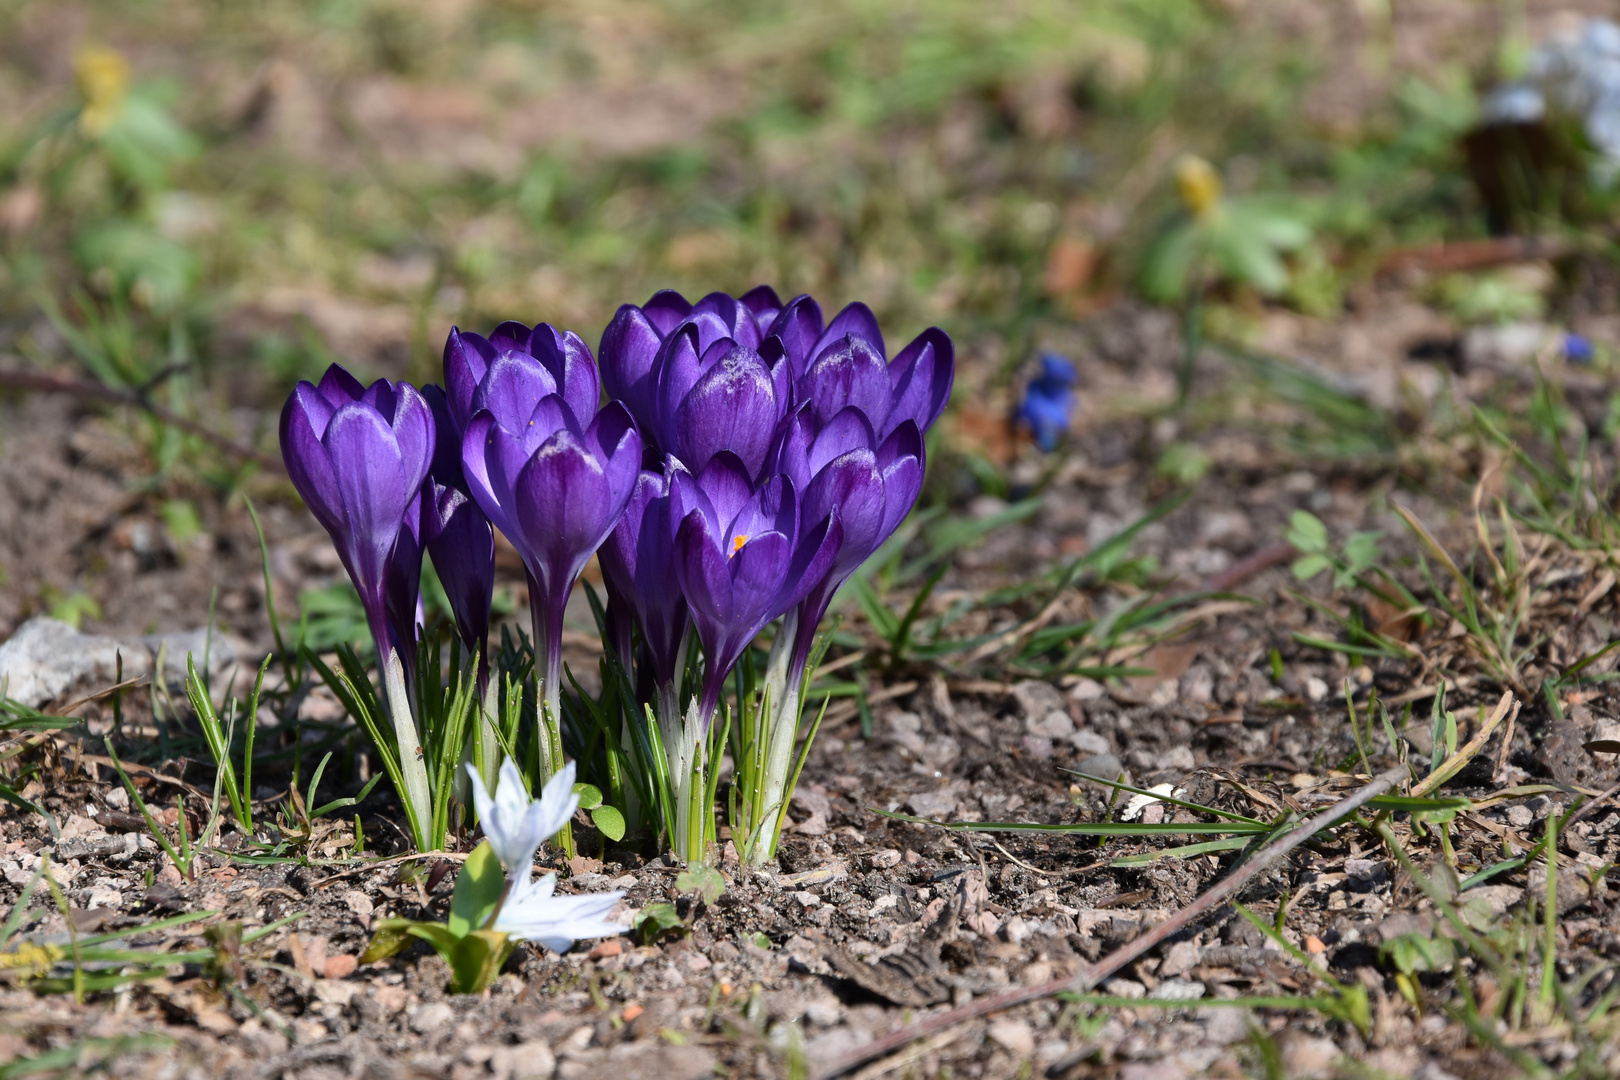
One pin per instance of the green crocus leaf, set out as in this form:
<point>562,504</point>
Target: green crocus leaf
<point>478,891</point>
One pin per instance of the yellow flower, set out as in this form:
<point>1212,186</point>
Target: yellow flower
<point>103,77</point>
<point>31,961</point>
<point>1199,186</point>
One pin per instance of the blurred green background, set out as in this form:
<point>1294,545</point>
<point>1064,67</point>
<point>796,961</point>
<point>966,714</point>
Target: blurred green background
<point>202,202</point>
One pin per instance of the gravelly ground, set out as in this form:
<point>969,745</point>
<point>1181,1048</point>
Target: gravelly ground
<point>952,743</point>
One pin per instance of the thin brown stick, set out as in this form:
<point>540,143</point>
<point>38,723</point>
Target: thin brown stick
<point>1096,973</point>
<point>1245,568</point>
<point>39,382</point>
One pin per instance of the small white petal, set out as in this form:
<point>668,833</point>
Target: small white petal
<point>533,913</point>
<point>558,801</point>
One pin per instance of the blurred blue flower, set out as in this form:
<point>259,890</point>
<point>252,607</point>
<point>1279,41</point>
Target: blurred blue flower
<point>1577,350</point>
<point>1048,401</point>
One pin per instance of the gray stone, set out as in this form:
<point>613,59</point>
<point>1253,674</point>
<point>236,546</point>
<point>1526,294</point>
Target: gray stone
<point>1179,990</point>
<point>1014,1036</point>
<point>932,804</point>
<point>1088,741</point>
<point>1503,347</point>
<point>1102,766</point>
<point>1038,747</point>
<point>658,1060</point>
<point>1370,870</point>
<point>1223,1025</point>
<point>1177,758</point>
<point>431,1017</point>
<point>1496,898</point>
<point>46,660</point>
<point>1054,725</point>
<point>1308,1057</point>
<point>525,1061</point>
<point>221,652</point>
<point>1036,700</point>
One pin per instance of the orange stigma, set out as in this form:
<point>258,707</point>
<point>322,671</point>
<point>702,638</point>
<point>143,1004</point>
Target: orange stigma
<point>737,542</point>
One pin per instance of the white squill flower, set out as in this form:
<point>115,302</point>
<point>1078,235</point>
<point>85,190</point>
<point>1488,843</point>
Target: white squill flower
<point>533,913</point>
<point>515,825</point>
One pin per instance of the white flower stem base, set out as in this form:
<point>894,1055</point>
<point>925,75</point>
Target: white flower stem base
<point>417,795</point>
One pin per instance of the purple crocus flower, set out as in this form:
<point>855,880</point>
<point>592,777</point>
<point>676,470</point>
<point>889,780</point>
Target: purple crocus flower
<point>845,364</point>
<point>458,535</point>
<point>639,566</point>
<point>551,471</point>
<point>636,344</point>
<point>742,560</point>
<point>869,485</point>
<point>723,398</point>
<point>358,456</point>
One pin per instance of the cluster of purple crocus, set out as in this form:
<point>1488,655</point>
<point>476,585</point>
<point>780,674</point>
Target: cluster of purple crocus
<point>749,457</point>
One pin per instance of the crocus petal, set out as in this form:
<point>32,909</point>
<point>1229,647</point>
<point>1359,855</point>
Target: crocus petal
<point>724,480</point>
<point>462,545</point>
<point>732,406</point>
<point>563,508</point>
<point>772,507</point>
<point>737,320</point>
<point>338,387</point>
<point>308,464</point>
<point>855,319</point>
<point>921,377</point>
<point>629,346</point>
<point>466,361</point>
<point>763,303</point>
<point>665,310</point>
<point>850,429</point>
<point>513,386</point>
<point>848,372</point>
<point>799,328</point>
<point>371,482</point>
<point>853,485</point>
<point>569,359</point>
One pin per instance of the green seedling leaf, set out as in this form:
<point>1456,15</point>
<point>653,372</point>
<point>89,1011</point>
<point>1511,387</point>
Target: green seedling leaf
<point>706,881</point>
<point>609,822</point>
<point>477,959</point>
<point>1310,566</point>
<point>390,936</point>
<point>590,797</point>
<point>760,940</point>
<point>1307,533</point>
<point>655,921</point>
<point>1415,953</point>
<point>478,891</point>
